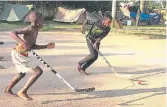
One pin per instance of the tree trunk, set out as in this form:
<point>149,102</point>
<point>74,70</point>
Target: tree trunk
<point>138,17</point>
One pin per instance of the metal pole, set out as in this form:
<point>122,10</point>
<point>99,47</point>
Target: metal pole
<point>113,12</point>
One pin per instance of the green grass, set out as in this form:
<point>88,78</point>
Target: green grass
<point>60,27</point>
<point>154,32</point>
<point>8,26</point>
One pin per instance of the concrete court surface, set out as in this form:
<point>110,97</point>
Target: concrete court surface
<point>141,57</point>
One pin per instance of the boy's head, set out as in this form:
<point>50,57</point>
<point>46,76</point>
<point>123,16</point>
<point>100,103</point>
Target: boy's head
<point>36,18</point>
<point>107,20</point>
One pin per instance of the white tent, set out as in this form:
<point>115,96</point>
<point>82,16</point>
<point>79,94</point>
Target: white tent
<point>68,15</point>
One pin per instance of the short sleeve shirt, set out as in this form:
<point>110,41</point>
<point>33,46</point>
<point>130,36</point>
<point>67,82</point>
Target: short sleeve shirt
<point>98,30</point>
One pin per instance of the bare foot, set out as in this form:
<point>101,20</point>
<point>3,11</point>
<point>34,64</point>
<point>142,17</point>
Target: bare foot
<point>79,68</point>
<point>24,96</point>
<point>9,92</point>
<point>83,72</point>
<point>1,57</point>
<point>1,43</point>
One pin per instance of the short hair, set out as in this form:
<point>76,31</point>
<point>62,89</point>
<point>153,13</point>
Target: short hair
<point>108,15</point>
<point>39,15</point>
<point>33,16</point>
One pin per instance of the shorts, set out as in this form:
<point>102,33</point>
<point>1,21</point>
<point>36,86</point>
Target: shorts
<point>22,63</point>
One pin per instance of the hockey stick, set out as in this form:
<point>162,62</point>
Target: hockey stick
<point>54,71</point>
<point>110,66</point>
<point>120,75</point>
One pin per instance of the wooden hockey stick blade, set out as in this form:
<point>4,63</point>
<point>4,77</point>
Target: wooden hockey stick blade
<point>85,90</point>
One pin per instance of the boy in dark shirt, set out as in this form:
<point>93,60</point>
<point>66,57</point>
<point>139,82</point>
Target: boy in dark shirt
<point>96,33</point>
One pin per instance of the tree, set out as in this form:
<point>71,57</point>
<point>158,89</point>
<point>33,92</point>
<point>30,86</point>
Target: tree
<point>151,5</point>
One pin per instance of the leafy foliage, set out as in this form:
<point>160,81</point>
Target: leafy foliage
<point>155,5</point>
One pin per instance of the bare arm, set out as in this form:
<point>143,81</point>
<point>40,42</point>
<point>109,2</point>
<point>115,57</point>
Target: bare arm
<point>98,40</point>
<point>14,34</point>
<point>49,46</point>
<point>103,34</point>
<point>35,46</point>
<point>83,26</point>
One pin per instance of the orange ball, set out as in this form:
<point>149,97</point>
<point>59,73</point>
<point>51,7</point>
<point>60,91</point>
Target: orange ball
<point>139,82</point>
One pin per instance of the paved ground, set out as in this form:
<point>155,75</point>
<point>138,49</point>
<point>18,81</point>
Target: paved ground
<point>141,57</point>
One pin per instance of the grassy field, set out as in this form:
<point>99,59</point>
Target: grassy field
<point>156,32</point>
<point>153,32</point>
<point>7,26</point>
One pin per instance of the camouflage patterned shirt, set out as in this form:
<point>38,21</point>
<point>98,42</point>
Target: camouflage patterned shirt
<point>98,31</point>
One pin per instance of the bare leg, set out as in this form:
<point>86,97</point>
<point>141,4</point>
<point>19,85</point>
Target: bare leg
<point>23,92</point>
<point>14,81</point>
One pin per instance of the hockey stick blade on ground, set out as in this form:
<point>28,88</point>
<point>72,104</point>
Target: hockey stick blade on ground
<point>54,71</point>
<point>85,90</point>
<point>119,75</point>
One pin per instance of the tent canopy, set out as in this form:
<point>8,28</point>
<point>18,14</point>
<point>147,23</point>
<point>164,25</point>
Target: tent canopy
<point>14,12</point>
<point>94,17</point>
<point>69,15</point>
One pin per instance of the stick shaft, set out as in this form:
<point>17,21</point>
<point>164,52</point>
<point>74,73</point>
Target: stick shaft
<point>110,66</point>
<point>103,57</point>
<point>54,71</point>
